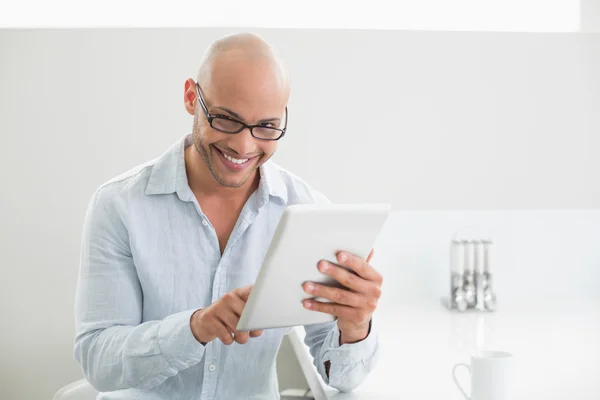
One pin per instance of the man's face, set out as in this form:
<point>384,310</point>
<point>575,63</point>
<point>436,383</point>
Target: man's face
<point>247,93</point>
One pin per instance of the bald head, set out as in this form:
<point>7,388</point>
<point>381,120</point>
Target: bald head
<point>242,49</point>
<point>241,80</point>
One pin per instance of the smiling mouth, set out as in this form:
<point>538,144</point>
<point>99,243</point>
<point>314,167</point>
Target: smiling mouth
<point>239,162</point>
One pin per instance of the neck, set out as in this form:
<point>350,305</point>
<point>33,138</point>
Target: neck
<point>202,182</point>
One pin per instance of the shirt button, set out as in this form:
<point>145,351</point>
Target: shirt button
<point>212,367</point>
<point>204,222</point>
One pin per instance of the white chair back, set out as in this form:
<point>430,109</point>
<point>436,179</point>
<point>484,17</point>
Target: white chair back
<point>78,390</point>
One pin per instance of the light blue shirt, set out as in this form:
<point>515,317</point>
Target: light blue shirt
<point>150,258</point>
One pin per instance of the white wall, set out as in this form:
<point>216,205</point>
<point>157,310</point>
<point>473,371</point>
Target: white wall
<point>590,15</point>
<point>541,257</point>
<point>449,120</point>
<point>465,15</point>
<point>463,120</point>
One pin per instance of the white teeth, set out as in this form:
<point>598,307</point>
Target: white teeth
<point>235,160</point>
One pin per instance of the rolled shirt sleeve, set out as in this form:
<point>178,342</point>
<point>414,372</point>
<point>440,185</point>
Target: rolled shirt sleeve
<point>350,363</point>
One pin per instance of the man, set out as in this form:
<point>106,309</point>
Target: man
<point>171,249</point>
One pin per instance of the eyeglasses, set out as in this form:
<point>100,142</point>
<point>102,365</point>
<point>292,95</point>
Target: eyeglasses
<point>226,124</point>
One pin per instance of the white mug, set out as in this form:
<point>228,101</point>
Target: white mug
<point>491,376</point>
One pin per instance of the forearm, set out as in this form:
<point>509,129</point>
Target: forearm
<point>142,356</point>
<point>356,336</point>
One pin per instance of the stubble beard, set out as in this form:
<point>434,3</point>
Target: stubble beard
<point>203,151</point>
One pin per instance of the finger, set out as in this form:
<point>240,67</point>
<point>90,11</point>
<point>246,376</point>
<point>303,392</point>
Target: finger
<point>230,319</point>
<point>360,266</point>
<point>346,278</point>
<point>223,332</point>
<point>338,310</point>
<point>370,255</point>
<point>234,302</point>
<point>241,337</point>
<point>257,333</point>
<point>244,292</point>
<point>339,296</point>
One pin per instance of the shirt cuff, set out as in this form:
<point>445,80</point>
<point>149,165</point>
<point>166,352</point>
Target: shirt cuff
<point>349,355</point>
<point>177,342</point>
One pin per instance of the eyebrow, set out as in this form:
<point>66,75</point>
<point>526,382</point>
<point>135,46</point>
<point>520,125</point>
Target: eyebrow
<point>238,116</point>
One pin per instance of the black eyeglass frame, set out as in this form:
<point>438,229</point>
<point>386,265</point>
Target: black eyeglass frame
<point>211,117</point>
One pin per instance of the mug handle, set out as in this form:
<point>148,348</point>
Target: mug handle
<point>456,381</point>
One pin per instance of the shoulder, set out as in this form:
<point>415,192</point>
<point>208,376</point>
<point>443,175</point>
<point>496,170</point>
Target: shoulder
<point>114,192</point>
<point>298,190</point>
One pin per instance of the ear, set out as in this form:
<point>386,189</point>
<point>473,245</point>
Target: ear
<point>190,99</point>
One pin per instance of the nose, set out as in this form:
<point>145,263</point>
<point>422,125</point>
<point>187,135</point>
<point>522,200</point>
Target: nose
<point>243,143</point>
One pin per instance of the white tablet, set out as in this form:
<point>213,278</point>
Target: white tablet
<point>305,235</point>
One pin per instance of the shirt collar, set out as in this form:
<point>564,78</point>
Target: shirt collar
<point>272,181</point>
<point>168,173</point>
<point>169,176</point>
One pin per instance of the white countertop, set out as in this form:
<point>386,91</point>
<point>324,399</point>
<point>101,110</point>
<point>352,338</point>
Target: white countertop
<point>556,349</point>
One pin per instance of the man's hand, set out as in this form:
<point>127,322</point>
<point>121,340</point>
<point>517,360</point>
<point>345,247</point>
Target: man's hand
<point>220,319</point>
<point>353,306</point>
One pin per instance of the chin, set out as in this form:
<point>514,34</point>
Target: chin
<point>234,180</point>
<point>233,183</point>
